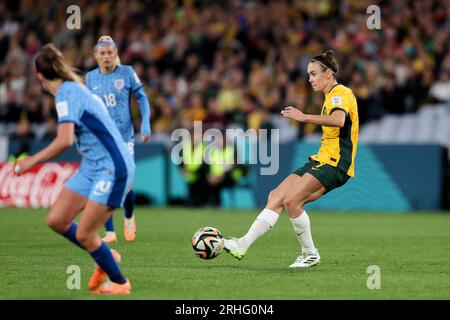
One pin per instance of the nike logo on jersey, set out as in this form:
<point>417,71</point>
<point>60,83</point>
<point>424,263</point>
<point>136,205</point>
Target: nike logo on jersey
<point>317,167</point>
<point>95,88</point>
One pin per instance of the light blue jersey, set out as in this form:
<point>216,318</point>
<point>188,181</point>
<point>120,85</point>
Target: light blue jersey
<point>115,89</point>
<point>107,168</point>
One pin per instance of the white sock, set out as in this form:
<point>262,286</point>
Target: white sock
<point>302,229</point>
<point>263,222</point>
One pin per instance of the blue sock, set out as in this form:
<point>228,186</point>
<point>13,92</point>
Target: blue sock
<point>71,234</point>
<point>109,225</point>
<point>129,204</point>
<point>105,260</point>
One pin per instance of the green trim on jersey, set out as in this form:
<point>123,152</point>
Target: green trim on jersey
<point>345,145</point>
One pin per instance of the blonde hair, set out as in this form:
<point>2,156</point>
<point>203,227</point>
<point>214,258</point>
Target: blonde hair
<point>50,62</point>
<point>109,39</point>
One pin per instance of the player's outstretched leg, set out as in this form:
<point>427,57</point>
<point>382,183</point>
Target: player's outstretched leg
<point>263,222</point>
<point>129,221</point>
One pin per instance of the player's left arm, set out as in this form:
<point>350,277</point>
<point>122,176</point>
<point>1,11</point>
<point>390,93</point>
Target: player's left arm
<point>335,119</point>
<point>144,105</point>
<point>63,141</point>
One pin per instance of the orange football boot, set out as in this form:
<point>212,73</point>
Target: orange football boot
<point>99,275</point>
<point>110,237</point>
<point>113,288</point>
<point>129,229</point>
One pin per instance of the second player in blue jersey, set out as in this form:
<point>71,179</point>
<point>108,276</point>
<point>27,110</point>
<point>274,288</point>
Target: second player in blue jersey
<point>105,175</point>
<point>114,83</point>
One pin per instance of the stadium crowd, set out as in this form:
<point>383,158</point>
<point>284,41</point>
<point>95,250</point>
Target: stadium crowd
<point>230,63</point>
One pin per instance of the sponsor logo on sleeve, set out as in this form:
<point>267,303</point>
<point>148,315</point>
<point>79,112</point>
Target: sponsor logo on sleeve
<point>136,78</point>
<point>62,109</point>
<point>336,101</point>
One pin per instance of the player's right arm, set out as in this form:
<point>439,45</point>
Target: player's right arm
<point>61,143</point>
<point>68,109</point>
<point>335,119</point>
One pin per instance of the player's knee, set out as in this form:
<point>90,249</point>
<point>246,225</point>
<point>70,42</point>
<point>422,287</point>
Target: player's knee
<point>84,238</point>
<point>56,224</point>
<point>275,197</point>
<point>292,203</point>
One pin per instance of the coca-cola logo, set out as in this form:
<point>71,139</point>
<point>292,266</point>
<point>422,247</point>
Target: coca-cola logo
<point>36,188</point>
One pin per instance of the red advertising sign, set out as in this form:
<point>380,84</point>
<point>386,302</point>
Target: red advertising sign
<point>36,188</point>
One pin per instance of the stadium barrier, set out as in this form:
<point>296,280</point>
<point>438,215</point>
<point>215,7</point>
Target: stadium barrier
<point>389,177</point>
<point>392,178</point>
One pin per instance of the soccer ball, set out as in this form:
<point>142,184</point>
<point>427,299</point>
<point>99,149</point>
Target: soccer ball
<point>207,243</point>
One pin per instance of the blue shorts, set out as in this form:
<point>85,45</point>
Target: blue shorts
<point>104,188</point>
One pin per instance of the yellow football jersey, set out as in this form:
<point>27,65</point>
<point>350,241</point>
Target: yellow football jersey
<point>338,147</point>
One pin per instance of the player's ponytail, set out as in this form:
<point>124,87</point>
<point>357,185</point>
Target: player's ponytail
<point>51,64</point>
<point>327,60</point>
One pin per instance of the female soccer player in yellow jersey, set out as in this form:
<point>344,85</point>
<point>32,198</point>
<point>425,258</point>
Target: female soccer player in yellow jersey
<point>330,168</point>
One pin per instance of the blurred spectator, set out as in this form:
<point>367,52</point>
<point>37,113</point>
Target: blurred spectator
<point>195,170</point>
<point>440,90</point>
<point>220,169</point>
<point>195,109</point>
<point>214,117</point>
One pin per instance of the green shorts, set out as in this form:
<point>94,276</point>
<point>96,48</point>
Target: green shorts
<point>330,177</point>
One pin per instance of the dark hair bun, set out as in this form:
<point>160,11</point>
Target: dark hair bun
<point>330,54</point>
<point>328,60</point>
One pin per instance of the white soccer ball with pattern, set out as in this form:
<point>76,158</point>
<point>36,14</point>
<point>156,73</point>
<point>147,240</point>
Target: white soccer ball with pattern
<point>207,242</point>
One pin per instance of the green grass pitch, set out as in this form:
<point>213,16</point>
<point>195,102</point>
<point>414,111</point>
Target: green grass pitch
<point>411,250</point>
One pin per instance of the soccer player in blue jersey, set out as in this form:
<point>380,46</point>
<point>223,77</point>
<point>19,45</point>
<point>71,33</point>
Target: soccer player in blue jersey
<point>105,175</point>
<point>114,83</point>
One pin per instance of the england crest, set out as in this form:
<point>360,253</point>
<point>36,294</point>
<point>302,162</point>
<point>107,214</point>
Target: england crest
<point>119,83</point>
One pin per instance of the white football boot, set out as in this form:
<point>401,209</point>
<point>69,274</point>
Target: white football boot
<point>306,260</point>
<point>231,246</point>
